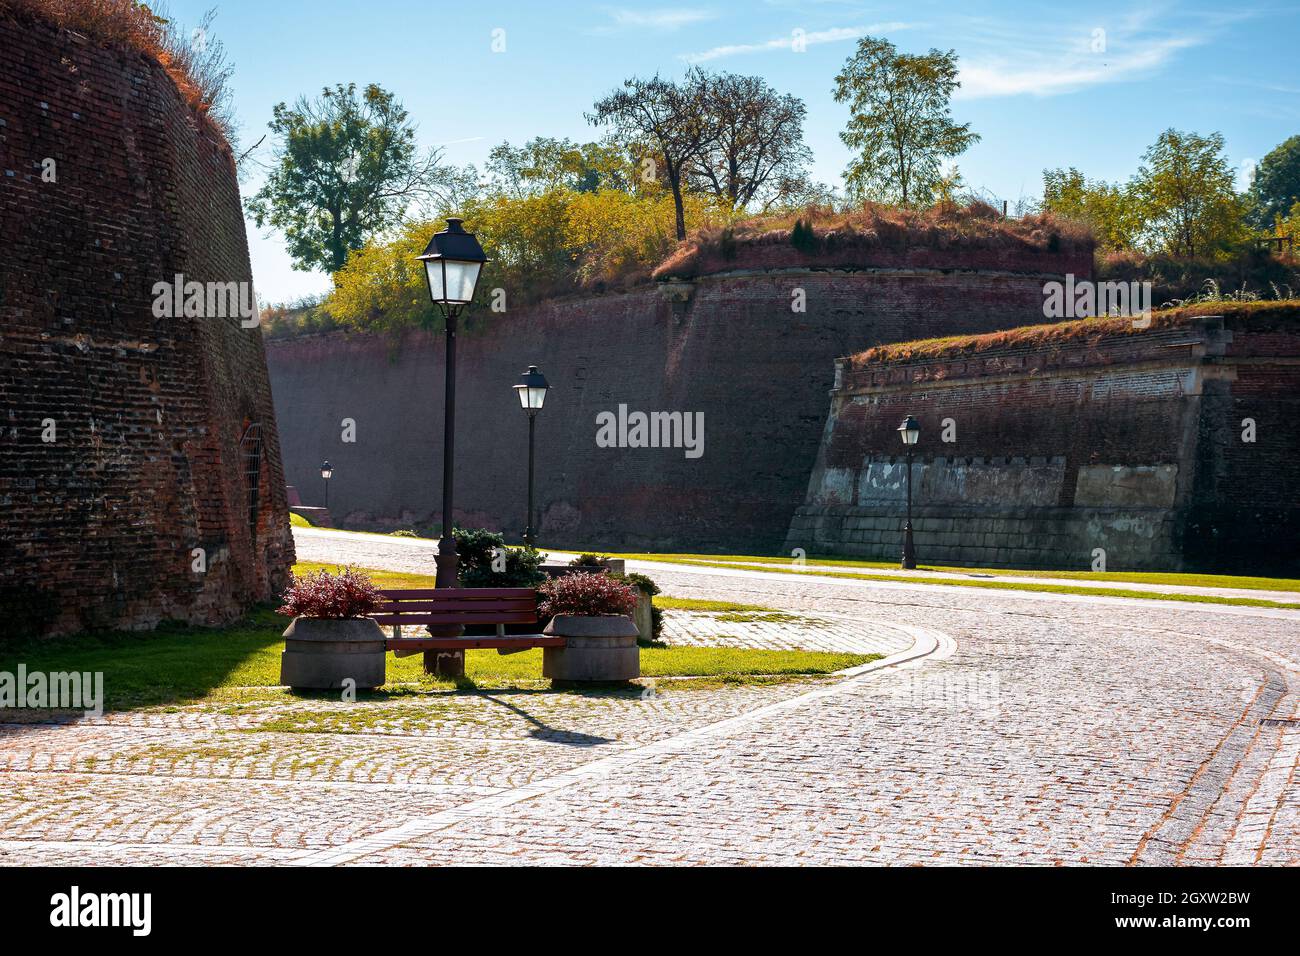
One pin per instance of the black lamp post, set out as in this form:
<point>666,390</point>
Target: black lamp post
<point>452,263</point>
<point>910,432</point>
<point>531,390</point>
<point>327,472</point>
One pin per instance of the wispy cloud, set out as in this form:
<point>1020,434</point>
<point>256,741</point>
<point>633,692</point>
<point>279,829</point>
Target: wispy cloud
<point>1054,62</point>
<point>812,38</point>
<point>664,19</point>
<point>1068,74</point>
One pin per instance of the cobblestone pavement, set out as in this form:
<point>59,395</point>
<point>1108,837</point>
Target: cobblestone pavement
<point>1019,728</point>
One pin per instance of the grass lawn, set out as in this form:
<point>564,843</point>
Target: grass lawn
<point>382,579</point>
<point>177,665</point>
<point>298,521</point>
<point>1117,577</point>
<point>748,563</point>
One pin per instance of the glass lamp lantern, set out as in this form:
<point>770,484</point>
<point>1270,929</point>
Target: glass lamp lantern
<point>910,431</point>
<point>452,263</point>
<point>532,389</point>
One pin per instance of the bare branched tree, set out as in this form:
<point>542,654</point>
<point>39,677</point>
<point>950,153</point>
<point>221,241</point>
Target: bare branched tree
<point>753,154</point>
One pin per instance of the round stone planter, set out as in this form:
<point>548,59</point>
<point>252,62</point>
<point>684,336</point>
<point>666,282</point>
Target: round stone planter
<point>600,649</point>
<point>321,654</point>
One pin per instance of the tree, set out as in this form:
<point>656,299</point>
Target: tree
<point>1184,195</point>
<point>899,121</point>
<point>345,169</point>
<point>547,163</point>
<point>752,151</point>
<point>661,119</point>
<point>1108,209</point>
<point>1276,187</point>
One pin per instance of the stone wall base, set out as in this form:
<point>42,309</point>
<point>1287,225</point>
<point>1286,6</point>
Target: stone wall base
<point>1048,538</point>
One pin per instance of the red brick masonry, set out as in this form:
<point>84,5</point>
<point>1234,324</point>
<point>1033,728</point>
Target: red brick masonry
<point>729,346</point>
<point>98,527</point>
<point>1093,435</point>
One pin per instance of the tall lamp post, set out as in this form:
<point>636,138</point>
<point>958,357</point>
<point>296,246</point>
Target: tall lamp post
<point>910,432</point>
<point>327,472</point>
<point>531,390</point>
<point>452,263</point>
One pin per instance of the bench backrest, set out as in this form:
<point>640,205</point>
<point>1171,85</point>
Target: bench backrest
<point>457,606</point>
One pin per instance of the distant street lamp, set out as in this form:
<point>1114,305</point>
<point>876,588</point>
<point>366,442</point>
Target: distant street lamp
<point>531,390</point>
<point>452,262</point>
<point>910,432</point>
<point>327,472</point>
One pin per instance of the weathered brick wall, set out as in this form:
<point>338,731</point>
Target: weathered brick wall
<point>731,348</point>
<point>99,525</point>
<point>1100,435</point>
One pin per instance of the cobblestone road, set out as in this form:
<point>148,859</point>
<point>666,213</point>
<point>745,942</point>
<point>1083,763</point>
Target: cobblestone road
<point>1021,728</point>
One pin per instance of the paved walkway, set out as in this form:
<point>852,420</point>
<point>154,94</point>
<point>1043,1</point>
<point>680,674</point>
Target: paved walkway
<point>1016,727</point>
<point>314,544</point>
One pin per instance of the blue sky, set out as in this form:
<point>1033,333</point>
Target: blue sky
<point>1034,87</point>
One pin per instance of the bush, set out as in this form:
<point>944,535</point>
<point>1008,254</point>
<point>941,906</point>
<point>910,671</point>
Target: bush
<point>638,581</point>
<point>476,549</point>
<point>649,589</point>
<point>332,596</point>
<point>802,237</point>
<point>589,560</point>
<point>586,595</point>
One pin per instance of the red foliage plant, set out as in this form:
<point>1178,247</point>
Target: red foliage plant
<point>333,596</point>
<point>585,595</point>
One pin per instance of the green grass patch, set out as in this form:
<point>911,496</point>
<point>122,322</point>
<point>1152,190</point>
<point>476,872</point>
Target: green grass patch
<point>180,665</point>
<point>783,563</point>
<point>382,578</point>
<point>1015,586</point>
<point>692,604</point>
<point>298,521</point>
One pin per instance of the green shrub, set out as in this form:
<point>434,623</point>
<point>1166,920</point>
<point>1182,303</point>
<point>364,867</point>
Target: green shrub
<point>803,238</point>
<point>589,560</point>
<point>476,549</point>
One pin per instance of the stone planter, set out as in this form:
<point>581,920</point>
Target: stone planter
<point>321,654</point>
<point>643,616</point>
<point>596,649</point>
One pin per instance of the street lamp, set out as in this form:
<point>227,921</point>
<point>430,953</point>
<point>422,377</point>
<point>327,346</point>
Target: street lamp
<point>452,263</point>
<point>910,432</point>
<point>531,390</point>
<point>327,472</point>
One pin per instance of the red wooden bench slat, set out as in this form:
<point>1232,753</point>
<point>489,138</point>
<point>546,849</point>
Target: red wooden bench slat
<point>395,607</point>
<point>457,617</point>
<point>472,643</point>
<point>457,594</point>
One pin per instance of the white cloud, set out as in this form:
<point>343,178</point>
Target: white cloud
<point>787,42</point>
<point>1035,71</point>
<point>666,19</point>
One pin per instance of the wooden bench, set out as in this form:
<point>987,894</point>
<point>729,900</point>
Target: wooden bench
<point>451,607</point>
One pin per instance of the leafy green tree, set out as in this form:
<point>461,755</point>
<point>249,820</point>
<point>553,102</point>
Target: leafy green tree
<point>345,169</point>
<point>900,122</point>
<point>1108,209</point>
<point>1276,186</point>
<point>1184,194</point>
<point>546,163</point>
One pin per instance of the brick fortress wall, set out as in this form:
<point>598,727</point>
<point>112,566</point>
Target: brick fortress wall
<point>1089,435</point>
<point>146,464</point>
<point>727,345</point>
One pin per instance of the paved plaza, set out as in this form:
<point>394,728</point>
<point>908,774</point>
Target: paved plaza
<point>1000,727</point>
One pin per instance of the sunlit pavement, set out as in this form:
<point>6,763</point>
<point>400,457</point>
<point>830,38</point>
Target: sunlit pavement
<point>1015,727</point>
